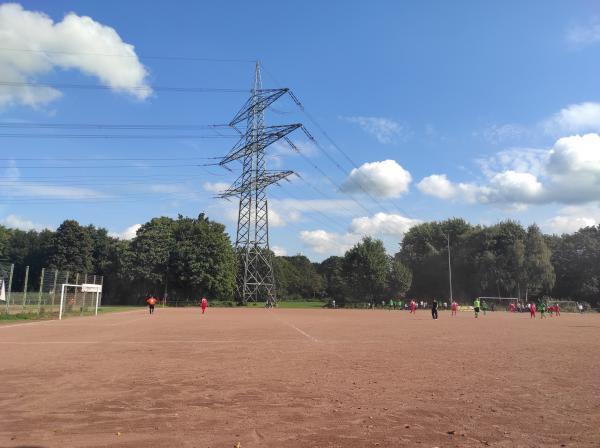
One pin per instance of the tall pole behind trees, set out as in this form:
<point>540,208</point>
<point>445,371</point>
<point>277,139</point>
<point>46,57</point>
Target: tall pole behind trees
<point>449,268</point>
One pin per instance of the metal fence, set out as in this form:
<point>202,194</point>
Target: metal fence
<point>40,293</point>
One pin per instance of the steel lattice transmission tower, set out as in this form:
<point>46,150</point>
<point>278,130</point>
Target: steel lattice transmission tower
<point>255,280</point>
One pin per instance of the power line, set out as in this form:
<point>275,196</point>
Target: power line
<point>139,56</point>
<point>104,159</point>
<point>118,136</point>
<point>341,151</point>
<point>139,88</point>
<point>95,126</point>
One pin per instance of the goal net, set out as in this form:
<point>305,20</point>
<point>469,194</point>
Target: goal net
<point>79,300</point>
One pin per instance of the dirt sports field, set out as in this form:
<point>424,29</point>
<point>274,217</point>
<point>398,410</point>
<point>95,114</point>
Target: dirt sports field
<point>300,378</point>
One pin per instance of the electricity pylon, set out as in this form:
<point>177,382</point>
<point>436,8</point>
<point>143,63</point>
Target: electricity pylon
<point>255,280</point>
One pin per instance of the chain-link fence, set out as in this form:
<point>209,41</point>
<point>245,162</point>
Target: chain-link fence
<point>41,293</point>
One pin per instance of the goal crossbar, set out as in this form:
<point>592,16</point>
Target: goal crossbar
<point>84,288</point>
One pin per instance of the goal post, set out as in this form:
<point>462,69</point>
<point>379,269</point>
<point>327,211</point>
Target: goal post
<point>73,296</point>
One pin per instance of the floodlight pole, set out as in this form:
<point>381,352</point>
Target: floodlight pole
<point>449,267</point>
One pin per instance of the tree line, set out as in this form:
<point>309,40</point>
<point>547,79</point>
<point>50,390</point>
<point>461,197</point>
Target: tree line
<point>190,257</point>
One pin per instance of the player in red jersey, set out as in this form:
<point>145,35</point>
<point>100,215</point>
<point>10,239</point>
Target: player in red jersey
<point>454,307</point>
<point>204,303</point>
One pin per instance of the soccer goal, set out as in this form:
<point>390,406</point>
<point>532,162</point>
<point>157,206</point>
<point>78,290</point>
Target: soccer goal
<point>79,299</point>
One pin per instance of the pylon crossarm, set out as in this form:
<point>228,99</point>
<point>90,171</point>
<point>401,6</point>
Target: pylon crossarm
<point>257,103</point>
<point>238,187</point>
<point>270,136</point>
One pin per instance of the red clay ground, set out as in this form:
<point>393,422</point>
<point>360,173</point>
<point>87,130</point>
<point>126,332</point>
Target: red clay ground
<point>300,378</point>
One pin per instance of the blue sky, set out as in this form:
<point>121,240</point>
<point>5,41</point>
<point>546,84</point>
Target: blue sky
<point>475,109</point>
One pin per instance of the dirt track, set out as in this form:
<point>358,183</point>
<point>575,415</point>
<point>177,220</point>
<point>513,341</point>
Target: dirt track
<point>300,378</point>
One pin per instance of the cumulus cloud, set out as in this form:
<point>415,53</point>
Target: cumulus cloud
<point>16,222</point>
<point>378,225</point>
<point>384,130</point>
<point>524,160</point>
<point>569,224</point>
<point>382,224</point>
<point>323,242</point>
<point>571,218</point>
<point>385,179</point>
<point>514,187</point>
<point>582,117</point>
<point>568,173</point>
<point>128,234</point>
<point>437,185</point>
<point>76,42</point>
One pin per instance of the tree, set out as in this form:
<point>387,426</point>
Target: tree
<point>72,248</point>
<point>202,260</point>
<point>399,278</point>
<point>365,269</point>
<point>539,271</point>
<point>331,269</point>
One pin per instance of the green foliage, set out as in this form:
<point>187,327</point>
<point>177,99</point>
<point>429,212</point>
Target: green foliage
<point>365,269</point>
<point>399,279</point>
<point>72,248</point>
<point>297,278</point>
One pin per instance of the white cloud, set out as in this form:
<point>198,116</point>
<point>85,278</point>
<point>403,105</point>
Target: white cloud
<point>523,160</point>
<point>583,35</point>
<point>384,130</point>
<point>215,187</point>
<point>568,173</point>
<point>128,234</point>
<point>323,242</point>
<point>573,217</point>
<point>382,224</point>
<point>16,222</point>
<point>279,251</point>
<point>514,187</point>
<point>569,224</point>
<point>385,179</point>
<point>61,45</point>
<point>582,117</point>
<point>437,185</point>
<point>574,169</point>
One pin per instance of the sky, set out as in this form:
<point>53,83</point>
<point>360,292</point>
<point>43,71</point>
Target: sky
<point>419,111</point>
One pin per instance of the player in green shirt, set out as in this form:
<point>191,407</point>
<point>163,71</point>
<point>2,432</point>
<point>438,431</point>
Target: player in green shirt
<point>484,307</point>
<point>542,309</point>
<point>476,307</point>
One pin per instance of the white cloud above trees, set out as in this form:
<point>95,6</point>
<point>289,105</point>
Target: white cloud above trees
<point>386,179</point>
<point>568,173</point>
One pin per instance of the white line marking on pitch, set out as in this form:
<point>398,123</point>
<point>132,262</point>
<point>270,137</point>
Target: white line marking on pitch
<point>302,332</point>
